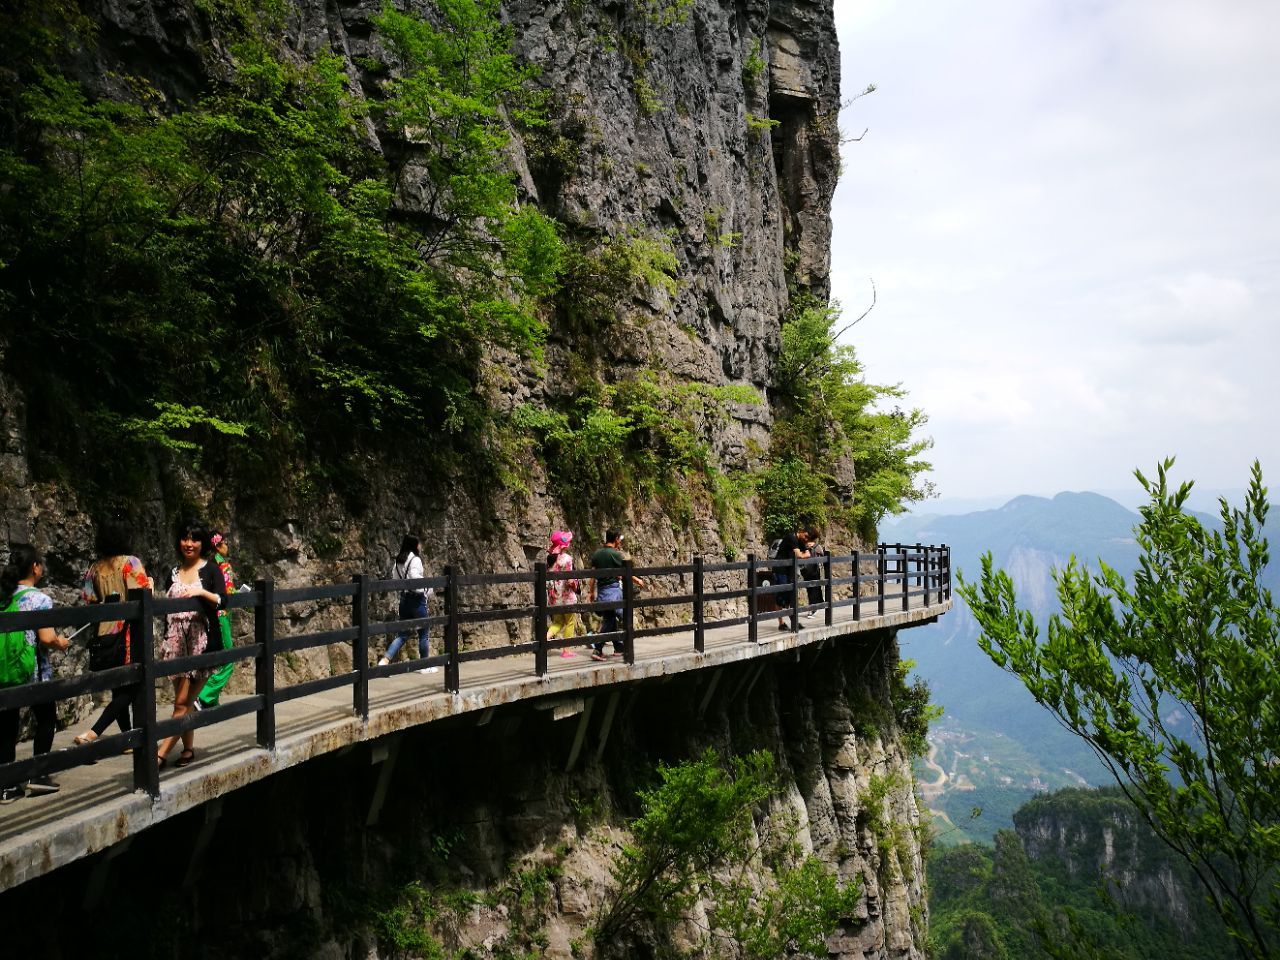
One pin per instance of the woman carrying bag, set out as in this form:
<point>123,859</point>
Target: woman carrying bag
<point>111,577</point>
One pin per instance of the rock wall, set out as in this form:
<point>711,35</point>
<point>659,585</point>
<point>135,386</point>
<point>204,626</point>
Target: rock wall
<point>1100,836</point>
<point>485,838</point>
<point>673,130</point>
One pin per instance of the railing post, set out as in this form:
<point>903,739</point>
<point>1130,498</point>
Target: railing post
<point>628,615</point>
<point>882,570</point>
<point>699,634</point>
<point>360,645</point>
<point>146,770</point>
<point>857,585</point>
<point>753,601</point>
<point>946,561</point>
<point>906,580</point>
<point>927,566</point>
<point>540,618</point>
<point>452,671</point>
<point>827,591</point>
<point>795,593</point>
<point>264,670</point>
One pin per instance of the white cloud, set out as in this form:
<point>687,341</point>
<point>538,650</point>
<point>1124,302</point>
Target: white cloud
<point>1072,216</point>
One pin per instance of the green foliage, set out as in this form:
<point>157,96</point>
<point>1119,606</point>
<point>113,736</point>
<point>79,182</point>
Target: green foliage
<point>912,710</point>
<point>1173,681</point>
<point>794,494</point>
<point>792,918</point>
<point>256,238</point>
<point>641,437</point>
<point>599,276</point>
<point>1066,902</point>
<point>752,67</point>
<point>832,412</point>
<point>405,924</point>
<point>699,814</point>
<point>668,13</point>
<point>696,837</point>
<point>760,124</point>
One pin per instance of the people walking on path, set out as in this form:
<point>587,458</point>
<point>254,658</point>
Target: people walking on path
<point>608,589</point>
<point>562,593</point>
<point>794,544</point>
<point>24,658</point>
<point>188,633</point>
<point>109,578</point>
<point>211,692</point>
<point>414,603</point>
<point>812,571</point>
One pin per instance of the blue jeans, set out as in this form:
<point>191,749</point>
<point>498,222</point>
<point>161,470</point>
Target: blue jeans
<point>610,620</point>
<point>413,606</point>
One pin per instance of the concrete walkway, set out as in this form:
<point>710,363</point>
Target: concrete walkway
<point>97,806</point>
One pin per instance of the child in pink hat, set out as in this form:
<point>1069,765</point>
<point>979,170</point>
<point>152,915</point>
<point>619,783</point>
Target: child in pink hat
<point>561,593</point>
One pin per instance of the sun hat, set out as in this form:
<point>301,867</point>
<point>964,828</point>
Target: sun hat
<point>560,540</point>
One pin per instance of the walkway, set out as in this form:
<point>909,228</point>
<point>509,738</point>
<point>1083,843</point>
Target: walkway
<point>98,806</point>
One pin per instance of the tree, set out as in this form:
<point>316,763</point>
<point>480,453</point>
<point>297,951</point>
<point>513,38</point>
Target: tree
<point>1174,681</point>
<point>831,413</point>
<point>696,838</point>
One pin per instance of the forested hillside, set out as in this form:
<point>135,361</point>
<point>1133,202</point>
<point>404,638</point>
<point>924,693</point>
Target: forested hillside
<point>1080,876</point>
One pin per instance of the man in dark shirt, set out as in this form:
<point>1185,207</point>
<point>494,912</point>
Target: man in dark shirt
<point>794,544</point>
<point>606,588</point>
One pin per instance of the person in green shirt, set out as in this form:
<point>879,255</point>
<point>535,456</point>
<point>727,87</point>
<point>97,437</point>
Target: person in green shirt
<point>605,589</point>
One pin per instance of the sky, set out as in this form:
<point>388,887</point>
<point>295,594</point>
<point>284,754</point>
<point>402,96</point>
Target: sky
<point>1071,215</point>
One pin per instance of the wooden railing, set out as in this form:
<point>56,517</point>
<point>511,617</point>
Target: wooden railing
<point>886,579</point>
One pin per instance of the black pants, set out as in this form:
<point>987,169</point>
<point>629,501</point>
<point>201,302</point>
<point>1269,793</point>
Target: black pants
<point>117,710</point>
<point>813,585</point>
<point>46,721</point>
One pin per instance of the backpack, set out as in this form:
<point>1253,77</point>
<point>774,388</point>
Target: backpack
<point>17,657</point>
<point>774,547</point>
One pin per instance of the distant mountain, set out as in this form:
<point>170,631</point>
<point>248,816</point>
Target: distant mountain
<point>995,746</point>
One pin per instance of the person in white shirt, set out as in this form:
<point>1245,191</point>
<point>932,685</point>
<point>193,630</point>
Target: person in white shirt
<point>413,603</point>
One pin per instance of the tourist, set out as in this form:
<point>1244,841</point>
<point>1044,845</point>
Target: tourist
<point>211,692</point>
<point>812,572</point>
<point>792,545</point>
<point>413,603</point>
<point>190,632</point>
<point>561,593</point>
<point>608,589</point>
<point>109,579</point>
<point>18,594</point>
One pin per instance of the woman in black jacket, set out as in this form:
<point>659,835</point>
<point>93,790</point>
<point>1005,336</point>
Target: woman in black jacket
<point>188,633</point>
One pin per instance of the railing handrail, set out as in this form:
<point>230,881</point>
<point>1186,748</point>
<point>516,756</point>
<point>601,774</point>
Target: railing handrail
<point>898,571</point>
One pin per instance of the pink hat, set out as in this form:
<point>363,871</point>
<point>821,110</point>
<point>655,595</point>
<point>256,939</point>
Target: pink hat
<point>560,540</point>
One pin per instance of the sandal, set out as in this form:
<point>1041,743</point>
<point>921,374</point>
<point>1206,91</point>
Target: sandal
<point>599,656</point>
<point>185,758</point>
<point>566,653</point>
<point>161,761</point>
<point>81,739</point>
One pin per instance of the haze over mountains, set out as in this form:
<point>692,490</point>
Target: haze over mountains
<point>995,747</point>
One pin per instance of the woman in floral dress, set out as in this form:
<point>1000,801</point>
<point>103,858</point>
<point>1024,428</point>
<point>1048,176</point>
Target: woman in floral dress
<point>561,593</point>
<point>188,632</point>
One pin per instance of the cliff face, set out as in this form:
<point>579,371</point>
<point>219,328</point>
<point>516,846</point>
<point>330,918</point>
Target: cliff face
<point>497,838</point>
<point>711,124</point>
<point>1101,837</point>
